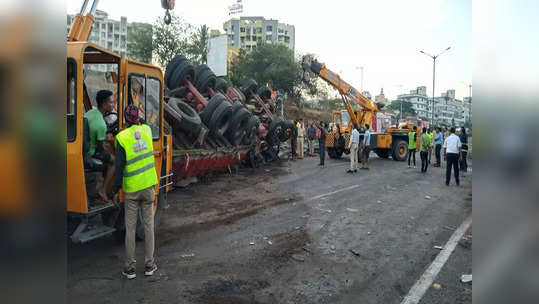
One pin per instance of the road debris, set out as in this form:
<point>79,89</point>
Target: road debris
<point>332,247</point>
<point>352,210</point>
<point>251,243</point>
<point>436,286</point>
<point>270,242</point>
<point>449,227</point>
<point>466,241</point>
<point>465,278</point>
<point>354,252</point>
<point>187,255</point>
<point>427,197</point>
<point>379,202</point>
<point>439,247</point>
<point>298,257</point>
<point>368,232</point>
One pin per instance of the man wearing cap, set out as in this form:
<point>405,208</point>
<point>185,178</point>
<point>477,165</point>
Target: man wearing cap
<point>135,172</point>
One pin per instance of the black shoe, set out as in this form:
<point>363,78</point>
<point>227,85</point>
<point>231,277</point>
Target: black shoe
<point>447,184</point>
<point>130,273</point>
<point>149,270</point>
<point>458,184</point>
<point>349,171</point>
<point>355,170</point>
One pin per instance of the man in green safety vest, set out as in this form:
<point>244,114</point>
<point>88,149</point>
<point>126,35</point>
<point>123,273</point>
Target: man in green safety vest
<point>412,137</point>
<point>135,172</point>
<point>431,144</point>
<point>424,150</point>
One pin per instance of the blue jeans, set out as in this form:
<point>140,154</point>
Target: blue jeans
<point>322,153</point>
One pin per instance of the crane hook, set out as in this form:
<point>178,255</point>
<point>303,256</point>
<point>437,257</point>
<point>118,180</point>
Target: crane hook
<point>167,18</point>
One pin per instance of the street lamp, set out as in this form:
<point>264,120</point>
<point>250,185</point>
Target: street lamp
<point>434,75</point>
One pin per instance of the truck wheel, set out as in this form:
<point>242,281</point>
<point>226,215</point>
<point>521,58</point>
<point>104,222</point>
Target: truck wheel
<point>238,125</point>
<point>213,104</point>
<point>275,130</point>
<point>220,119</point>
<point>238,95</point>
<point>382,153</point>
<point>251,131</point>
<point>287,126</point>
<point>205,78</point>
<point>400,150</point>
<point>264,92</point>
<point>221,85</point>
<point>161,201</point>
<point>190,121</point>
<point>248,87</point>
<point>183,71</point>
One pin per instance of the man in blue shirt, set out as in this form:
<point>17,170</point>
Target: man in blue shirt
<point>438,141</point>
<point>366,148</point>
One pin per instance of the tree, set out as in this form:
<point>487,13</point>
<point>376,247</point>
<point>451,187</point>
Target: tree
<point>170,40</point>
<point>139,42</point>
<point>274,65</point>
<point>197,50</point>
<point>407,107</point>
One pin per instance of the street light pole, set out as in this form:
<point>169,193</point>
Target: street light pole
<point>433,77</point>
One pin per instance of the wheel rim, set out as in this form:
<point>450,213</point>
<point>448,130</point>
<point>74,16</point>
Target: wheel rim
<point>402,151</point>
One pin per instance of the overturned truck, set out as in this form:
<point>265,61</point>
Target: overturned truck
<point>215,126</point>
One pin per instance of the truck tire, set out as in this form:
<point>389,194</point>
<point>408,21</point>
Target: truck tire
<point>238,125</point>
<point>220,119</point>
<point>204,78</point>
<point>275,131</point>
<point>264,92</point>
<point>248,87</point>
<point>183,72</point>
<point>251,131</point>
<point>382,153</point>
<point>213,104</point>
<point>288,125</point>
<point>178,92</point>
<point>221,85</point>
<point>400,150</point>
<point>190,121</point>
<point>171,67</point>
<point>161,201</point>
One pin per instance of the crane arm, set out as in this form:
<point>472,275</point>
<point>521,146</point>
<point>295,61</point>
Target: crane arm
<point>310,65</point>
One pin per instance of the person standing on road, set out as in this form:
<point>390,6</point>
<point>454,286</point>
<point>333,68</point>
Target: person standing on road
<point>464,141</point>
<point>366,148</point>
<point>430,135</point>
<point>322,143</point>
<point>412,137</point>
<point>301,138</point>
<point>424,150</point>
<point>438,141</point>
<point>311,135</point>
<point>353,146</point>
<point>135,172</point>
<point>293,140</point>
<point>452,152</point>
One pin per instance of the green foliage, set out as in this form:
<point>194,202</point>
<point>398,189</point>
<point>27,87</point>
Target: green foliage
<point>170,40</point>
<point>274,65</point>
<point>407,108</point>
<point>197,48</point>
<point>139,42</point>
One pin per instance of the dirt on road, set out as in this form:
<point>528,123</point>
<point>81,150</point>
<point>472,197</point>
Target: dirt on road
<point>284,234</point>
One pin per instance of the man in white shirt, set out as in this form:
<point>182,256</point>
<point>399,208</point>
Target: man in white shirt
<point>353,146</point>
<point>452,151</point>
<point>366,148</point>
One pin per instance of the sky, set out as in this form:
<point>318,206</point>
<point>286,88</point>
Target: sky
<point>384,36</point>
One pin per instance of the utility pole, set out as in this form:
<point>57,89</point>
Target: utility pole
<point>434,76</point>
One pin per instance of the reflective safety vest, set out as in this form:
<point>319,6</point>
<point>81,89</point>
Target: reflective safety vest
<point>431,136</point>
<point>139,172</point>
<point>411,140</point>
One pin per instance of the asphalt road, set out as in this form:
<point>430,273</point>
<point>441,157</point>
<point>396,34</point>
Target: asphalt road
<point>284,234</point>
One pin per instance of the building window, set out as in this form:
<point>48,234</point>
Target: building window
<point>269,28</point>
<point>232,27</point>
<point>259,30</point>
<point>242,29</point>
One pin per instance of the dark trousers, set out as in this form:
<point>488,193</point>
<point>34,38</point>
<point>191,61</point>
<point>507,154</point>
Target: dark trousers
<point>464,162</point>
<point>424,160</point>
<point>410,153</point>
<point>452,161</point>
<point>322,147</point>
<point>438,149</point>
<point>293,145</point>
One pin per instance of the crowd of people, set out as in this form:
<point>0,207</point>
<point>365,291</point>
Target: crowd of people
<point>455,148</point>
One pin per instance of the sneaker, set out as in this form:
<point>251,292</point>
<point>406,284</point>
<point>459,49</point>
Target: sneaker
<point>415,167</point>
<point>149,270</point>
<point>409,167</point>
<point>129,273</point>
<point>349,171</point>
